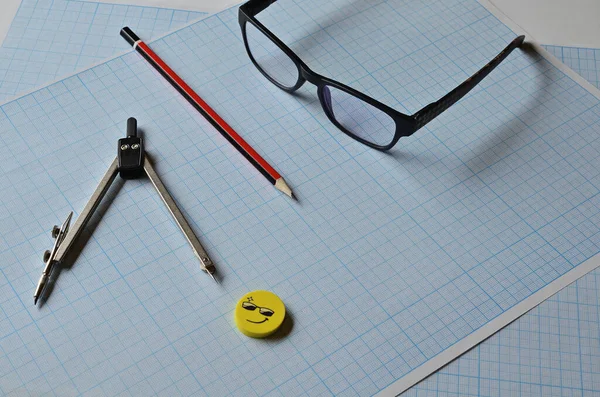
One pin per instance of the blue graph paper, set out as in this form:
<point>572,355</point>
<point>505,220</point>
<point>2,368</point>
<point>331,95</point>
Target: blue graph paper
<point>53,38</point>
<point>553,350</point>
<point>584,61</point>
<point>386,260</point>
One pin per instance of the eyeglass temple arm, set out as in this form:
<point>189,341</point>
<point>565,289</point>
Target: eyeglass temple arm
<point>253,7</point>
<point>431,111</point>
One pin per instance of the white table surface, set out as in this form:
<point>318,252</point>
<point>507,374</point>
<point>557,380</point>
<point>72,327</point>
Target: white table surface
<point>8,9</point>
<point>572,23</point>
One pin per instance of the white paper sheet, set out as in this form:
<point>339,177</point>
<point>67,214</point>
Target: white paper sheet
<point>573,23</point>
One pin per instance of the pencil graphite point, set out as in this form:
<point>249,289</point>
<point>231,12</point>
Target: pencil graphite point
<point>282,186</point>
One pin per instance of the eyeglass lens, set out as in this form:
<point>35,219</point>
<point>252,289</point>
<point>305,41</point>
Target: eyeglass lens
<point>270,58</point>
<point>358,117</point>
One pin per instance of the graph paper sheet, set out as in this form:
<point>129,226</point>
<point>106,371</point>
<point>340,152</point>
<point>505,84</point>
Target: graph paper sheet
<point>584,61</point>
<point>386,261</point>
<point>49,39</point>
<point>554,350</point>
<point>190,5</point>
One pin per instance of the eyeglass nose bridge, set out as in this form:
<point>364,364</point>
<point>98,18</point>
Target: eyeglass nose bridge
<point>307,74</point>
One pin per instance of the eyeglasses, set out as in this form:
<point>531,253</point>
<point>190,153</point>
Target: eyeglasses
<point>356,114</point>
<point>265,311</point>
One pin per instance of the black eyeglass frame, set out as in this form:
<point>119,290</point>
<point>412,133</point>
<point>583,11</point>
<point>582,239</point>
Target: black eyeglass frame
<point>406,125</point>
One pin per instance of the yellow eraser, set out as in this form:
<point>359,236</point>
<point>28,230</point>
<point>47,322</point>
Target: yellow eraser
<point>259,314</point>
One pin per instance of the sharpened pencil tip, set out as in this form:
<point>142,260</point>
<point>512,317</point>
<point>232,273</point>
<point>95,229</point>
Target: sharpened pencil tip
<point>35,299</point>
<point>282,186</point>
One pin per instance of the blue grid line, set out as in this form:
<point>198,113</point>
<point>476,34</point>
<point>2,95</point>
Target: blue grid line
<point>564,318</point>
<point>387,260</point>
<point>49,39</point>
<point>584,61</point>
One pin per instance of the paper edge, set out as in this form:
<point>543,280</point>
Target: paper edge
<point>8,17</point>
<point>497,324</point>
<point>592,89</point>
<point>467,343</point>
<point>85,69</point>
<point>486,3</point>
<point>502,17</point>
<point>209,6</point>
<point>581,47</point>
<point>489,329</point>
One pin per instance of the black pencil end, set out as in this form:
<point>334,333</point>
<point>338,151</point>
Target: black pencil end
<point>129,36</point>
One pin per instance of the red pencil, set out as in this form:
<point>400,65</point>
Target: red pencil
<point>194,99</point>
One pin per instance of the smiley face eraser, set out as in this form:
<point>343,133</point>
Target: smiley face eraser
<point>259,314</point>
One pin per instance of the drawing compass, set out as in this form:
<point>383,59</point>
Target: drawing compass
<point>131,163</point>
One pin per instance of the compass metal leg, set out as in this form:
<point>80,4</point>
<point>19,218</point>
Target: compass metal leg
<point>131,163</point>
<point>206,263</point>
<point>88,211</point>
<point>66,236</point>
